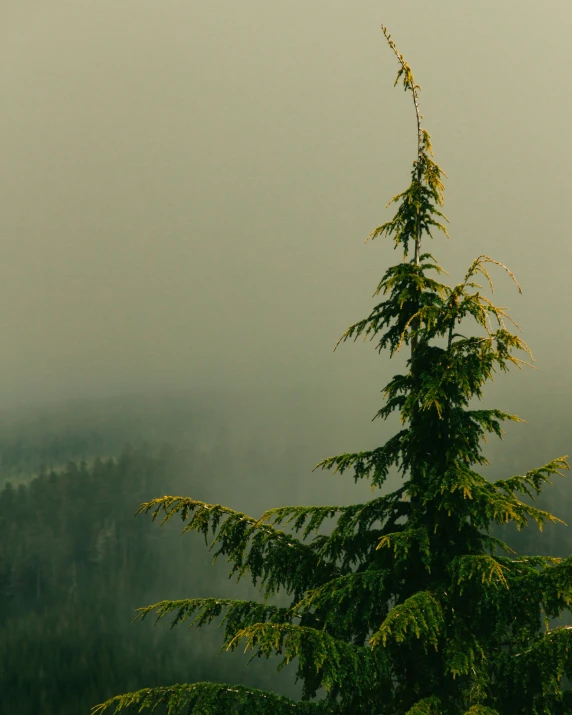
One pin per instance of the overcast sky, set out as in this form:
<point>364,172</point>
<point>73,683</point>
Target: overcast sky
<point>187,186</point>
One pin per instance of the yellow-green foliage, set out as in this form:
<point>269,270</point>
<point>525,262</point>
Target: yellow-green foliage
<point>401,605</point>
<point>420,616</point>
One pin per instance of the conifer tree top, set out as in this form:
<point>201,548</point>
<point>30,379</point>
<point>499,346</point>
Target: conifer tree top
<point>403,606</point>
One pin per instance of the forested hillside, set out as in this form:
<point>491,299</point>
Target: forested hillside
<point>74,566</point>
<point>75,563</point>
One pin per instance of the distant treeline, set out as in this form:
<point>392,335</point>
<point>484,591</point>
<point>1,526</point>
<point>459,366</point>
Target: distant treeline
<point>53,435</point>
<point>74,566</point>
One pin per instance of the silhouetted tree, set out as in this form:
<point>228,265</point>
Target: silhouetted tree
<point>405,606</point>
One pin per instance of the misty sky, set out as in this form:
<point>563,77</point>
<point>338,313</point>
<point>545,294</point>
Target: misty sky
<point>187,186</point>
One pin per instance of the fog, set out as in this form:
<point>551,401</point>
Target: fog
<point>186,192</point>
<point>187,186</point>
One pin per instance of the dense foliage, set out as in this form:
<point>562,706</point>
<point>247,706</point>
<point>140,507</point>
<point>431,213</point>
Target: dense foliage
<point>405,604</point>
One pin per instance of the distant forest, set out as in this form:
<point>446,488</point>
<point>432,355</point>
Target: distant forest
<point>74,566</point>
<point>75,563</point>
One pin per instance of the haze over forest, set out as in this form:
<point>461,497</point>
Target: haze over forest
<point>187,188</point>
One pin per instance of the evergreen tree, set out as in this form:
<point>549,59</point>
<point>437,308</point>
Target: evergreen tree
<point>407,604</point>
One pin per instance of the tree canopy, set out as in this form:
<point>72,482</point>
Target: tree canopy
<point>405,604</point>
